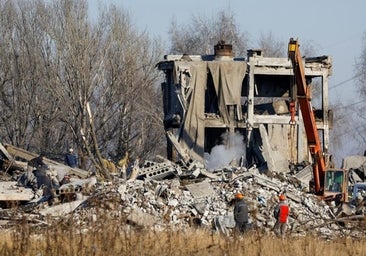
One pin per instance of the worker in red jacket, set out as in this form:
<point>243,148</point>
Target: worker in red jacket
<point>281,213</point>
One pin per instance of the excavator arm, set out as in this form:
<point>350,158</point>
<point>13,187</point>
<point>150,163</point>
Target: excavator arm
<point>311,130</point>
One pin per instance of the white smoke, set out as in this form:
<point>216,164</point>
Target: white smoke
<point>232,149</point>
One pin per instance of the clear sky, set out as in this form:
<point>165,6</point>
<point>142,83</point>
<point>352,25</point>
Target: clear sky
<point>334,27</point>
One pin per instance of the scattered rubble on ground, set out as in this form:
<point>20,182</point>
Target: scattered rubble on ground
<point>168,195</point>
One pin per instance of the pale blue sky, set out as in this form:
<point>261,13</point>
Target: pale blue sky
<point>335,28</point>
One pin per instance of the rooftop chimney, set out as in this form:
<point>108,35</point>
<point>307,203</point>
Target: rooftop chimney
<point>223,51</point>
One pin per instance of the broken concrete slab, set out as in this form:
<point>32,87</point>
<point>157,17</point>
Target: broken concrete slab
<point>353,162</point>
<point>266,182</point>
<point>141,218</point>
<point>60,168</point>
<point>293,197</point>
<point>280,107</point>
<point>305,175</point>
<point>10,192</point>
<point>274,144</point>
<point>183,154</point>
<point>6,153</point>
<point>201,189</point>
<point>208,174</point>
<point>156,171</point>
<point>61,209</point>
<point>224,224</point>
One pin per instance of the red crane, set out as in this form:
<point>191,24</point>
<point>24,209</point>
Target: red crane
<point>311,130</point>
<point>324,179</point>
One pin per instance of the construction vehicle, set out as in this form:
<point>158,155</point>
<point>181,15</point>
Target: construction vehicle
<point>329,183</point>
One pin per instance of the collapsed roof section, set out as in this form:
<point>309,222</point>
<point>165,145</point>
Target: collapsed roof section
<point>208,100</point>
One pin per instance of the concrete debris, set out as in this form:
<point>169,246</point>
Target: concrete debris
<point>168,195</point>
<point>53,165</point>
<point>305,174</point>
<point>10,192</point>
<point>61,209</point>
<point>202,189</point>
<point>140,218</point>
<point>158,171</point>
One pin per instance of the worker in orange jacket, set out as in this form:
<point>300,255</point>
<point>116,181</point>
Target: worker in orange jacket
<point>281,214</point>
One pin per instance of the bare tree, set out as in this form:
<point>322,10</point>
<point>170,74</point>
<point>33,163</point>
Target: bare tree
<point>201,34</point>
<point>108,67</point>
<point>349,135</point>
<point>361,69</point>
<point>272,46</point>
<point>359,106</point>
<point>128,88</point>
<point>66,81</point>
<point>25,104</point>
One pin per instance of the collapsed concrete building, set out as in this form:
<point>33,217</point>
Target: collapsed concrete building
<point>206,98</point>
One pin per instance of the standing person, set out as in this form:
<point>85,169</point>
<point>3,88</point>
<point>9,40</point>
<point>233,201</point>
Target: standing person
<point>46,184</point>
<point>29,178</point>
<point>36,162</point>
<point>241,215</point>
<point>71,159</point>
<point>281,213</point>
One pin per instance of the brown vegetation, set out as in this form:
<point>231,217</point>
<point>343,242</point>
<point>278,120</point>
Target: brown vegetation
<point>115,237</point>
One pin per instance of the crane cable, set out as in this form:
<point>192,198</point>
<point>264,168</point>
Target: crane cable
<point>345,81</point>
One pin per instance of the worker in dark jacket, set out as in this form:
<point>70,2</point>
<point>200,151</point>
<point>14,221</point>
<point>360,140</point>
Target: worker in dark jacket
<point>241,215</point>
<point>28,178</point>
<point>281,213</point>
<point>46,186</point>
<point>36,162</point>
<point>71,159</point>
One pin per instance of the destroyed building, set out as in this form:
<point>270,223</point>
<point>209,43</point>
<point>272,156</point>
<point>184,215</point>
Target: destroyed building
<point>209,96</point>
<point>205,99</point>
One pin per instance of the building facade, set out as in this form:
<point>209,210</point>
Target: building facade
<point>207,99</point>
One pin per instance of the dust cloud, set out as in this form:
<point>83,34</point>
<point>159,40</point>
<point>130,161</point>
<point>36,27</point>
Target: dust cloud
<point>228,153</point>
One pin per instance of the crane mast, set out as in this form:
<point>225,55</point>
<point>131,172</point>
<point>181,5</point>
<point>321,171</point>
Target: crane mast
<point>303,97</point>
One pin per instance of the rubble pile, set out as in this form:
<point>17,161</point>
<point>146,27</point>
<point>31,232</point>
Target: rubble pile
<point>207,201</point>
<point>180,197</point>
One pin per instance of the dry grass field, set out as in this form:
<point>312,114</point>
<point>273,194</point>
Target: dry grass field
<point>112,237</point>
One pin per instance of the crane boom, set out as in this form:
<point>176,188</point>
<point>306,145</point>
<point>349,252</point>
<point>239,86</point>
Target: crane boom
<point>303,97</point>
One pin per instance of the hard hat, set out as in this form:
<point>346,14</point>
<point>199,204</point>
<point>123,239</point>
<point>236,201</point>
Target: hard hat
<point>239,196</point>
<point>71,150</point>
<point>282,197</point>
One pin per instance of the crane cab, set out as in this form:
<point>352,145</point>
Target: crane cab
<point>335,185</point>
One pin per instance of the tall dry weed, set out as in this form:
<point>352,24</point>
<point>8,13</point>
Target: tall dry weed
<point>106,235</point>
